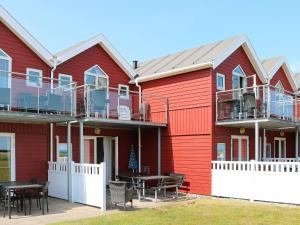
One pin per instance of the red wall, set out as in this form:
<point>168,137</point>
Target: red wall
<point>186,143</point>
<point>22,56</point>
<point>281,76</point>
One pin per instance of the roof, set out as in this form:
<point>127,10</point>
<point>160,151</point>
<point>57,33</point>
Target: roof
<point>25,36</point>
<point>104,43</point>
<point>297,78</point>
<point>205,56</point>
<point>272,65</point>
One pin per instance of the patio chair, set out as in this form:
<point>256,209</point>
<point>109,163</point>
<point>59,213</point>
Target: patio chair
<point>26,101</point>
<point>55,103</point>
<point>98,101</point>
<point>5,97</point>
<point>249,109</point>
<point>38,194</point>
<point>119,193</point>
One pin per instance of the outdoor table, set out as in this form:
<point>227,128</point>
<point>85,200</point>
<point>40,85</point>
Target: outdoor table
<point>145,179</point>
<point>16,185</point>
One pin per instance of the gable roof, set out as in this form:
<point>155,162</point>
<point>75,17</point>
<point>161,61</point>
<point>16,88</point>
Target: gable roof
<point>105,44</point>
<point>13,25</point>
<point>205,56</point>
<point>297,78</point>
<point>274,64</point>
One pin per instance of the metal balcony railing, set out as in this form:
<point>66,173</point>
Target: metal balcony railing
<point>109,103</point>
<point>263,101</point>
<point>38,95</point>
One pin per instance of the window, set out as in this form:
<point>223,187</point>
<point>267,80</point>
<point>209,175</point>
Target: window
<point>279,87</point>
<point>220,82</point>
<point>62,151</point>
<point>7,157</point>
<point>123,91</point>
<point>5,69</point>
<point>96,77</point>
<point>65,80</point>
<point>221,151</point>
<point>34,77</point>
<point>268,150</point>
<point>238,81</point>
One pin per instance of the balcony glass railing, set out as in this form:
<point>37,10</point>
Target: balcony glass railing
<point>263,101</point>
<point>108,103</point>
<point>40,95</point>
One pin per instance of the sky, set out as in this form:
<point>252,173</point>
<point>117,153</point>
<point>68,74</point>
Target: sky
<point>142,30</point>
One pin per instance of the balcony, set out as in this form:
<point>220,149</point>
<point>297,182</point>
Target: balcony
<point>25,98</point>
<point>255,103</point>
<point>109,105</point>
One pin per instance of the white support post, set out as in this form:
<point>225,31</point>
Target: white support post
<point>158,151</point>
<point>140,149</point>
<point>81,141</point>
<point>265,145</point>
<point>70,189</point>
<point>51,142</point>
<point>256,141</point>
<point>297,143</point>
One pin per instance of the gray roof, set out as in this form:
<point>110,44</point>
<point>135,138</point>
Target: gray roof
<point>191,57</point>
<point>270,64</point>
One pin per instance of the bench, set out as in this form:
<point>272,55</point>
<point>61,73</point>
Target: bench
<point>175,181</point>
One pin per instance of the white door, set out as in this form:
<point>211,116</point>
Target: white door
<point>89,150</point>
<point>279,147</point>
<point>7,157</point>
<point>239,148</point>
<point>111,157</point>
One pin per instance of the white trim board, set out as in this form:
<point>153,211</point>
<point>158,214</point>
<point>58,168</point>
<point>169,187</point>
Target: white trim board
<point>105,44</point>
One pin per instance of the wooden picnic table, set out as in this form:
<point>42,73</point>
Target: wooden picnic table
<point>20,185</point>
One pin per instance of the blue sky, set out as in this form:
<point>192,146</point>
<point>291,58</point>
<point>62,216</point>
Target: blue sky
<point>146,29</point>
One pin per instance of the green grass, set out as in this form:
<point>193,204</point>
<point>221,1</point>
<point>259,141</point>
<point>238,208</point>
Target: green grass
<point>203,211</point>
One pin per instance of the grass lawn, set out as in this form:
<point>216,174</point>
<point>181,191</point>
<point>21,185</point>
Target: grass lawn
<point>203,211</point>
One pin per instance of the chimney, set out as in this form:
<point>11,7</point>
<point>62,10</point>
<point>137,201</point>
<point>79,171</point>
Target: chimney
<point>135,64</point>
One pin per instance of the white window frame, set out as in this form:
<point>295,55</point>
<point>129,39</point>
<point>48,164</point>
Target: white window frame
<point>64,75</point>
<point>96,76</point>
<point>30,84</point>
<point>127,91</point>
<point>222,143</point>
<point>58,158</point>
<point>239,137</point>
<point>220,88</point>
<point>279,87</point>
<point>9,59</point>
<point>12,154</point>
<point>279,150</point>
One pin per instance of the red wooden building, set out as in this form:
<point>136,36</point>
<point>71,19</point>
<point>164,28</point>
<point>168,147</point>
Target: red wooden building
<point>180,112</point>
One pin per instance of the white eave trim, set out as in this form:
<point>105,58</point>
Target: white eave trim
<point>105,44</point>
<point>287,70</point>
<point>250,52</point>
<point>25,36</point>
<point>174,72</point>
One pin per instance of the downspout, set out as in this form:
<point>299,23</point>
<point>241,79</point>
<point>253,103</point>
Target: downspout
<point>140,89</point>
<point>51,124</point>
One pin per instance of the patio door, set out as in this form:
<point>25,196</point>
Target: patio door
<point>279,147</point>
<point>7,157</point>
<point>239,148</point>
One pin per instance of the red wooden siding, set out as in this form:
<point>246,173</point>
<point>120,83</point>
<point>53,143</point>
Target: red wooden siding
<point>281,76</point>
<point>32,148</point>
<point>95,55</point>
<point>186,143</point>
<point>22,56</point>
<point>126,139</point>
<point>223,134</point>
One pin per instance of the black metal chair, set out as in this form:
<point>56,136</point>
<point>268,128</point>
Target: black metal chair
<point>120,193</point>
<point>249,109</point>
<point>38,194</point>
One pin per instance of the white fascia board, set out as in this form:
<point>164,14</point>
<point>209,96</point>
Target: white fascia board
<point>287,70</point>
<point>245,43</point>
<point>25,36</point>
<point>104,43</point>
<point>175,72</point>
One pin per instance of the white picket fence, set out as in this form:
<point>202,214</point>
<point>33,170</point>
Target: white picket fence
<point>281,160</point>
<point>88,182</point>
<point>262,181</point>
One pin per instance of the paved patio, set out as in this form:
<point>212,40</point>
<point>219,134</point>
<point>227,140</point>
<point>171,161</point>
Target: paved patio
<point>60,210</point>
